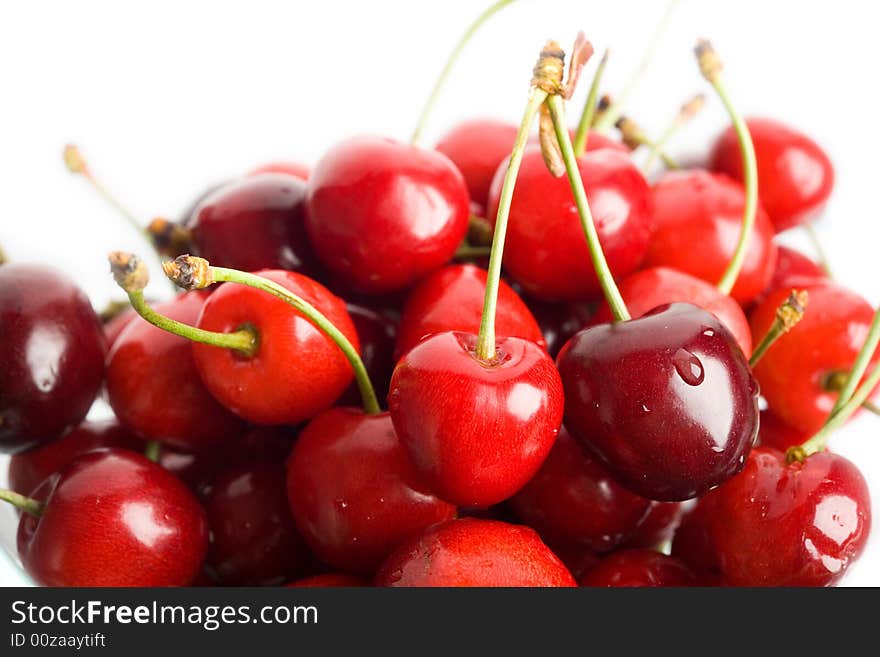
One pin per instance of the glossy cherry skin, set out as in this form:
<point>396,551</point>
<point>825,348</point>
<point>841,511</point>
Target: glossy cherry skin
<point>546,251</point>
<point>793,270</point>
<point>799,524</point>
<point>658,527</point>
<point>451,299</point>
<point>667,401</point>
<point>697,226</point>
<point>776,433</point>
<point>297,370</point>
<point>573,501</point>
<point>639,568</point>
<point>473,552</point>
<point>28,470</point>
<point>377,332</point>
<point>476,431</point>
<point>329,580</point>
<point>794,371</point>
<point>114,518</point>
<point>649,288</point>
<point>155,389</point>
<point>795,176</point>
<point>354,493</point>
<point>255,223</point>
<point>382,214</point>
<point>254,541</point>
<point>295,169</point>
<point>52,360</point>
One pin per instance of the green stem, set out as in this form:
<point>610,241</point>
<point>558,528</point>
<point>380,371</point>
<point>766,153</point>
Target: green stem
<point>368,394</point>
<point>127,214</point>
<point>26,504</point>
<point>684,115</point>
<point>813,236</point>
<point>153,450</point>
<point>776,331</point>
<point>871,407</point>
<point>486,340</point>
<point>466,252</point>
<point>603,273</point>
<point>583,130</point>
<point>863,359</point>
<point>450,63</point>
<point>789,313</point>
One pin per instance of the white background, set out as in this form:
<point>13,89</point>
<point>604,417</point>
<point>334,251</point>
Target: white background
<point>167,97</point>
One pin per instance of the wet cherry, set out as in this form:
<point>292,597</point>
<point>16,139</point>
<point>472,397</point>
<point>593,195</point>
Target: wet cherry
<point>793,270</point>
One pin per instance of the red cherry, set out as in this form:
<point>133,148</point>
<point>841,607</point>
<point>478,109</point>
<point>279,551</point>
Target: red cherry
<point>795,176</point>
<point>577,560</point>
<point>798,524</point>
<point>639,568</point>
<point>295,169</point>
<point>354,493</point>
<point>650,288</point>
<point>451,299</point>
<point>471,552</point>
<point>794,372</point>
<point>52,362</point>
<point>113,518</point>
<point>697,226</point>
<point>329,580</point>
<point>667,401</point>
<point>574,502</point>
<point>155,389</point>
<point>383,214</point>
<point>658,526</point>
<point>114,327</point>
<point>297,370</point>
<point>692,544</point>
<point>28,470</point>
<point>546,251</point>
<point>477,431</point>
<point>377,333</point>
<point>776,433</point>
<point>255,223</point>
<point>254,541</point>
<point>793,270</point>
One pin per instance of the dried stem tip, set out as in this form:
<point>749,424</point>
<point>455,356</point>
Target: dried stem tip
<point>791,311</point>
<point>691,108</point>
<point>630,132</point>
<point>189,272</point>
<point>74,159</point>
<point>129,271</point>
<point>707,58</point>
<point>550,68</point>
<point>169,237</point>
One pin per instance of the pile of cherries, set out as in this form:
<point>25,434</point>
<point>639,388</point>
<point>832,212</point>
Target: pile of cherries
<point>590,417</point>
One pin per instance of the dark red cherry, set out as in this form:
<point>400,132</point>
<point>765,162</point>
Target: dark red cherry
<point>477,431</point>
<point>795,176</point>
<point>692,544</point>
<point>295,169</point>
<point>798,524</point>
<point>472,552</point>
<point>559,321</point>
<point>28,470</point>
<point>155,389</point>
<point>354,493</point>
<point>793,270</point>
<point>578,560</point>
<point>329,580</point>
<point>451,299</point>
<point>573,501</point>
<point>667,401</point>
<point>382,214</point>
<point>52,359</point>
<point>254,541</point>
<point>114,326</point>
<point>776,433</point>
<point>697,226</point>
<point>649,288</point>
<point>255,223</point>
<point>377,332</point>
<point>638,568</point>
<point>658,526</point>
<point>113,518</point>
<point>795,372</point>
<point>546,251</point>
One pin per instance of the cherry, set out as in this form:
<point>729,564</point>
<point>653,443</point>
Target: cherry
<point>377,332</point>
<point>295,169</point>
<point>658,526</point>
<point>255,223</point>
<point>114,326</point>
<point>546,252</point>
<point>451,299</point>
<point>692,544</point>
<point>353,491</point>
<point>578,560</point>
<point>382,214</point>
<point>254,541</point>
<point>472,552</point>
<point>796,175</point>
<point>52,362</point>
<point>329,580</point>
<point>796,372</point>
<point>775,433</point>
<point>649,288</point>
<point>638,567</point>
<point>573,501</point>
<point>559,321</point>
<point>113,518</point>
<point>28,470</point>
<point>793,270</point>
<point>697,226</point>
<point>667,401</point>
<point>154,387</point>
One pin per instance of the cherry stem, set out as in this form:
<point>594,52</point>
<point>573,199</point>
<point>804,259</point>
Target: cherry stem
<point>468,252</point>
<point>710,67</point>
<point>789,313</point>
<point>871,407</point>
<point>633,137</point>
<point>194,273</point>
<point>589,113</point>
<point>687,112</point>
<point>479,231</point>
<point>609,117</point>
<point>486,340</point>
<point>153,450</point>
<point>813,236</point>
<point>450,63</point>
<point>26,504</point>
<point>863,359</point>
<point>615,301</point>
<point>3,258</point>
